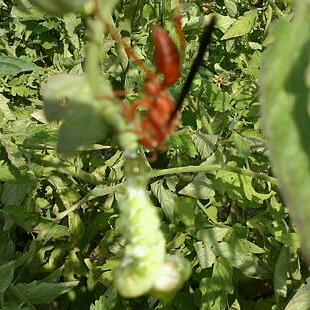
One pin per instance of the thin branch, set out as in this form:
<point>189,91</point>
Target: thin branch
<point>209,168</point>
<point>78,204</point>
<point>119,39</point>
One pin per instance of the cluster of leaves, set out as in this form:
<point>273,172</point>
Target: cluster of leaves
<point>60,226</point>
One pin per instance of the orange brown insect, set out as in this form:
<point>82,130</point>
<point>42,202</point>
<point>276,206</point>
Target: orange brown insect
<point>162,116</point>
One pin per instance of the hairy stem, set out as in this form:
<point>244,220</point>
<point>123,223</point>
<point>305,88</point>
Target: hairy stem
<point>209,168</point>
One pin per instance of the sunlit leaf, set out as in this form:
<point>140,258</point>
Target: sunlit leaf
<point>215,290</point>
<point>38,292</point>
<point>201,188</point>
<point>243,25</point>
<point>106,301</point>
<point>166,199</point>
<point>301,300</point>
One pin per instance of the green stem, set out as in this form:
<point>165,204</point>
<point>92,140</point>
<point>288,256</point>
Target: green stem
<point>63,214</point>
<point>209,168</point>
<point>88,178</point>
<point>78,204</point>
<point>202,208</point>
<point>111,113</point>
<point>156,173</point>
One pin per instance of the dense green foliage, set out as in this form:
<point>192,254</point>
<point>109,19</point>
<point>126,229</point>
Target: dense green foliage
<point>73,211</point>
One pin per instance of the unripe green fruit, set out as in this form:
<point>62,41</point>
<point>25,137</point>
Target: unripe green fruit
<point>58,7</point>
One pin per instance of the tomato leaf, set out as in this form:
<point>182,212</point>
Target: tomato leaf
<point>13,65</point>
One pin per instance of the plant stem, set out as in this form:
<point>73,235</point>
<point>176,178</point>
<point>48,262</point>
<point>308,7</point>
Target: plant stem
<point>63,214</point>
<point>209,168</point>
<point>202,208</point>
<point>163,172</point>
<point>88,178</point>
<point>85,199</point>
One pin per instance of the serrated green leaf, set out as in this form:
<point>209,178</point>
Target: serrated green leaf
<point>241,259</point>
<point>205,255</point>
<point>213,235</point>
<point>23,10</point>
<point>223,22</point>
<point>201,187</point>
<point>27,256</point>
<point>6,174</point>
<point>248,246</point>
<point>6,275</point>
<point>102,190</point>
<point>106,301</point>
<point>21,217</point>
<point>38,292</point>
<point>5,109</point>
<point>71,23</point>
<point>215,290</point>
<point>242,146</point>
<point>76,227</point>
<point>166,199</point>
<point>6,248</point>
<point>13,65</point>
<point>291,240</point>
<point>54,277</point>
<point>15,191</point>
<point>281,273</point>
<point>13,152</point>
<point>231,7</point>
<point>220,100</point>
<point>47,231</point>
<point>184,211</point>
<point>243,25</point>
<point>239,188</point>
<point>183,141</point>
<point>205,144</point>
<point>301,300</point>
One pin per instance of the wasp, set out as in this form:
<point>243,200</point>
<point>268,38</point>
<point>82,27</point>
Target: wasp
<point>162,110</point>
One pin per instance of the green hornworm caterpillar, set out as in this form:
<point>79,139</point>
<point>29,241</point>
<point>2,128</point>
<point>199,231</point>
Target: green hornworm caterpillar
<point>145,252</point>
